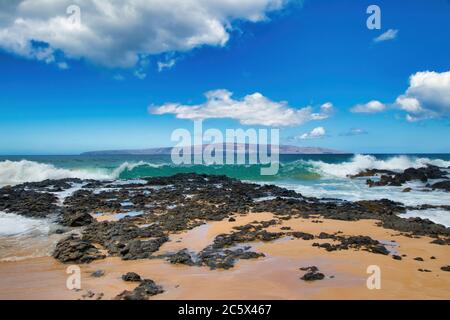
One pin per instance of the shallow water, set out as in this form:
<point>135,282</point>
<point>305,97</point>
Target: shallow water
<point>22,237</point>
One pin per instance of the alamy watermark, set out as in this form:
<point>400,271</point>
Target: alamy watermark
<point>374,280</point>
<point>73,281</point>
<point>374,20</point>
<point>235,147</point>
<point>74,15</point>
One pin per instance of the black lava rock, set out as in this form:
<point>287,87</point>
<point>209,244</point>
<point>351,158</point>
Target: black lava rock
<point>182,257</point>
<point>74,250</point>
<point>131,277</point>
<point>445,268</point>
<point>313,276</point>
<point>146,289</point>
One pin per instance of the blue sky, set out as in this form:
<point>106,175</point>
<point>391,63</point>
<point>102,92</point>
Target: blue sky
<point>307,55</point>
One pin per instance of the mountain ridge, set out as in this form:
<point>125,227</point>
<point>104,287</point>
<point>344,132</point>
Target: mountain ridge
<point>284,149</point>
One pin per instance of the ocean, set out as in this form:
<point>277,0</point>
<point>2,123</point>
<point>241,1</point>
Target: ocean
<point>322,176</point>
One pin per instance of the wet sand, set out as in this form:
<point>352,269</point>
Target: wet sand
<point>277,276</point>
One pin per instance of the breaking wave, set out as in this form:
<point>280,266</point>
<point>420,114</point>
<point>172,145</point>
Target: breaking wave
<point>363,162</point>
<point>16,172</point>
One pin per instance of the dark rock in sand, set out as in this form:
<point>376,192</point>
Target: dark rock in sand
<point>441,242</point>
<point>358,241</point>
<point>445,268</point>
<point>396,257</point>
<point>311,269</point>
<point>120,238</point>
<point>74,218</point>
<point>137,249</point>
<point>418,258</point>
<point>417,226</point>
<point>379,249</point>
<point>302,235</point>
<point>181,257</point>
<point>131,277</point>
<point>313,276</point>
<point>74,250</point>
<point>382,207</point>
<point>146,289</point>
<point>98,274</point>
<point>217,258</point>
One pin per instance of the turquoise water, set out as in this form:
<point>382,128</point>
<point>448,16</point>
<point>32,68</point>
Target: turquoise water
<point>311,175</point>
<point>292,167</point>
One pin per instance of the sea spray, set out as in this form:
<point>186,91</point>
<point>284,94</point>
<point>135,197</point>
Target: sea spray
<point>299,168</point>
<point>16,172</point>
<point>363,162</point>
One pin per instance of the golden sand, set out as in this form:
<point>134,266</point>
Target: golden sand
<point>277,276</point>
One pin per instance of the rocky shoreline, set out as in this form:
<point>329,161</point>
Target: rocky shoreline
<point>397,179</point>
<point>151,210</point>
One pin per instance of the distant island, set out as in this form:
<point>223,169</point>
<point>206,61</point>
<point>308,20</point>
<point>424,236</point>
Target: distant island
<point>284,149</point>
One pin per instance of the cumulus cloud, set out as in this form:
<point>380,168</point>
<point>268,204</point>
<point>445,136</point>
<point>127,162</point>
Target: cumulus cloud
<point>315,133</point>
<point>354,132</point>
<point>253,109</point>
<point>428,96</point>
<point>370,107</point>
<point>391,34</point>
<point>115,33</point>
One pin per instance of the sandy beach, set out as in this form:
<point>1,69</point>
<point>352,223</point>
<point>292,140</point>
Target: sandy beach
<point>275,276</point>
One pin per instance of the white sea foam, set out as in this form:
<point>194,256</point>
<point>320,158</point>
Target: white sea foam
<point>22,237</point>
<point>435,215</point>
<point>355,190</point>
<point>15,225</point>
<point>363,162</point>
<point>16,172</point>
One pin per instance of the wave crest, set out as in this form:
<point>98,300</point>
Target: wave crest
<point>16,172</point>
<point>363,162</point>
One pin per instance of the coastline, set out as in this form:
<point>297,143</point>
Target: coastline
<point>277,276</point>
<point>197,236</point>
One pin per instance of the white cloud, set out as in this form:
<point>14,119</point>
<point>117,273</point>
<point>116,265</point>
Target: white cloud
<point>388,35</point>
<point>428,96</point>
<point>253,109</point>
<point>166,65</point>
<point>115,33</point>
<point>315,133</point>
<point>370,107</point>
